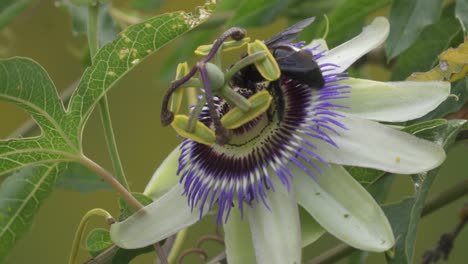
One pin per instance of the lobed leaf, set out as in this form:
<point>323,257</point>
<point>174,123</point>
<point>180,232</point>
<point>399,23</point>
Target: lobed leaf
<point>21,195</point>
<point>26,84</point>
<point>117,58</point>
<point>408,18</point>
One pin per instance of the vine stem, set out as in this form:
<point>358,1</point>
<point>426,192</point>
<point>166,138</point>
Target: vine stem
<point>103,102</point>
<point>119,182</point>
<point>126,195</point>
<point>109,178</point>
<point>451,194</point>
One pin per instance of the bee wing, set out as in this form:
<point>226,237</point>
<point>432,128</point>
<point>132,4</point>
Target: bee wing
<point>288,35</point>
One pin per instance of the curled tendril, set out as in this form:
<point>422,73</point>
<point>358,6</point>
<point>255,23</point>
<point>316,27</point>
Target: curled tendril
<point>202,254</point>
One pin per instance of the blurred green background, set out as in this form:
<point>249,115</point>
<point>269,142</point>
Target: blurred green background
<point>43,33</point>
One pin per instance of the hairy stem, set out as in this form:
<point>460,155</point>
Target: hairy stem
<point>450,195</point>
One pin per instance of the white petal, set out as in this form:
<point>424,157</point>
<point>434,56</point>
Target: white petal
<point>164,178</point>
<point>276,234</point>
<point>373,145</point>
<point>157,221</point>
<point>238,240</point>
<point>344,208</point>
<point>347,53</point>
<point>393,101</point>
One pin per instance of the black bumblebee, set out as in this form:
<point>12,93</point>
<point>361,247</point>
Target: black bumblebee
<point>293,62</point>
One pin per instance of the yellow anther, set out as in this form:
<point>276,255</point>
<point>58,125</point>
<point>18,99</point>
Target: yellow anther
<point>177,96</point>
<point>201,134</point>
<point>203,50</point>
<point>236,117</point>
<point>267,67</point>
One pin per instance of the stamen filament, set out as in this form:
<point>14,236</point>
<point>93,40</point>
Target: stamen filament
<point>233,97</point>
<point>195,113</point>
<point>244,62</point>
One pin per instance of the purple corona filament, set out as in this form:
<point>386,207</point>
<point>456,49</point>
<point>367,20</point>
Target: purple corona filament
<point>241,171</point>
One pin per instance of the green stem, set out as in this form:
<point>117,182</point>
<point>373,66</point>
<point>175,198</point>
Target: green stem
<point>122,185</point>
<point>111,143</point>
<point>236,99</point>
<point>195,114</point>
<point>109,178</point>
<point>244,62</point>
<point>79,232</point>
<point>93,12</point>
<point>450,195</point>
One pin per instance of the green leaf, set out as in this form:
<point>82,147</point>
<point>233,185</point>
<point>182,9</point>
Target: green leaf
<point>147,5</point>
<point>79,178</point>
<point>117,58</point>
<point>9,9</point>
<point>405,215</point>
<point>424,126</point>
<point>364,176</point>
<point>461,13</point>
<point>346,20</point>
<point>256,13</point>
<point>21,195</point>
<point>408,18</point>
<point>97,241</point>
<point>126,210</point>
<point>107,27</point>
<point>422,55</point>
<point>26,84</point>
